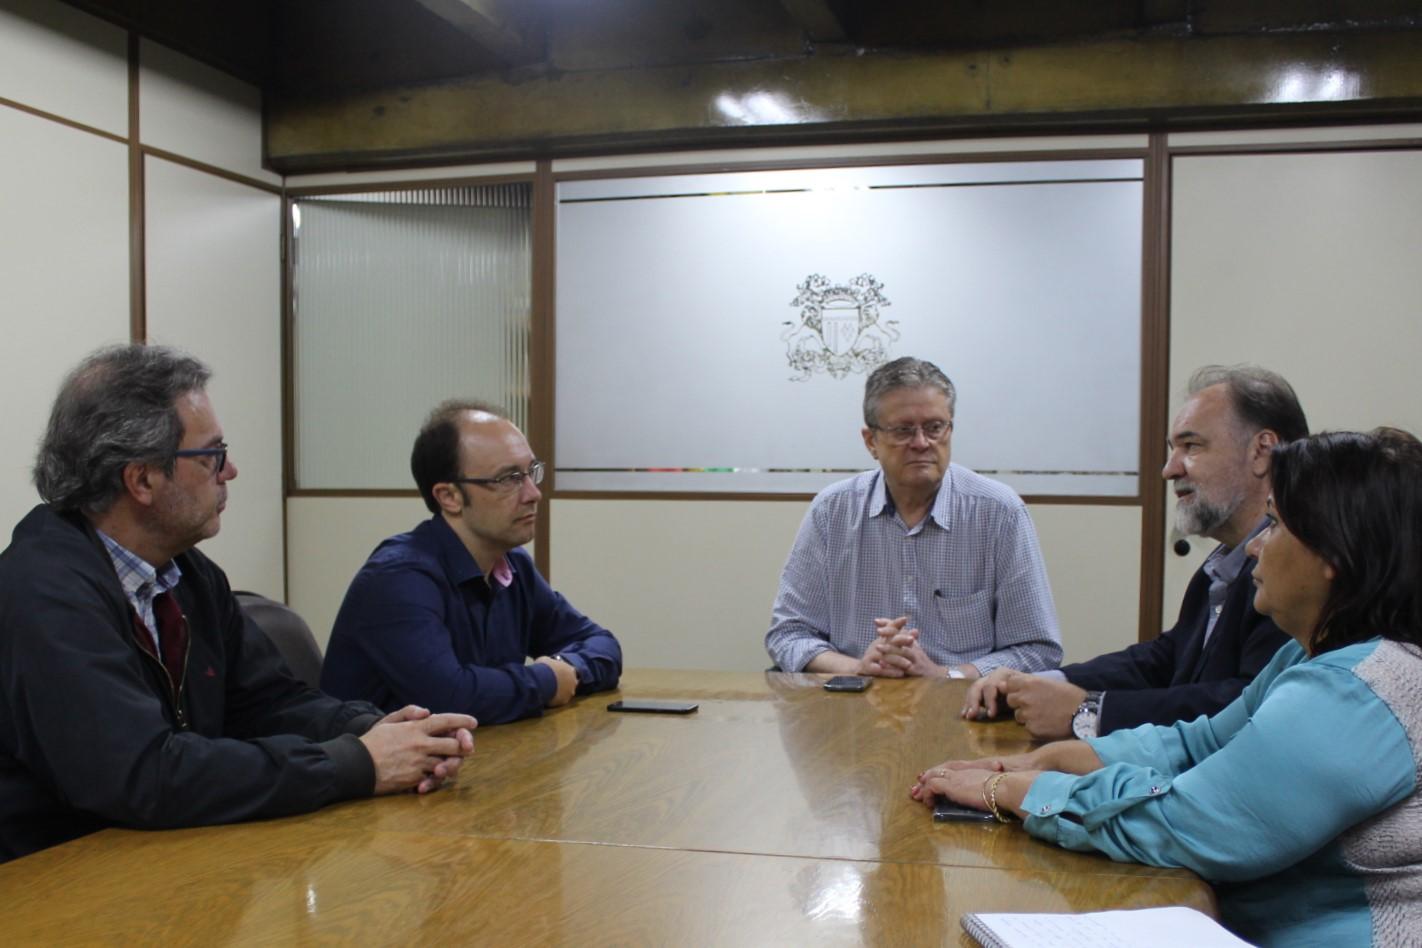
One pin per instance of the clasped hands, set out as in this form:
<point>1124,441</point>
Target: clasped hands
<point>413,749</point>
<point>1044,706</point>
<point>895,653</point>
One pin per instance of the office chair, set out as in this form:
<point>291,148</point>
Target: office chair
<point>288,632</point>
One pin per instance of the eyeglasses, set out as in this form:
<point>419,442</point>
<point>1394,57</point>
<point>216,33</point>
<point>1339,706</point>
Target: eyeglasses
<point>933,431</point>
<point>219,453</point>
<point>507,483</point>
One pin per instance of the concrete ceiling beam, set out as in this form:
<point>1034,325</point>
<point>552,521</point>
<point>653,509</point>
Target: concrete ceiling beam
<point>823,97</point>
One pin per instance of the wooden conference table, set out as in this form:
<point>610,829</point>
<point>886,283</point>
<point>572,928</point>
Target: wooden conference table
<point>777,814</point>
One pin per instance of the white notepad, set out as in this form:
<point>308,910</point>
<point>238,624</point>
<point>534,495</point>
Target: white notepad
<point>1171,927</point>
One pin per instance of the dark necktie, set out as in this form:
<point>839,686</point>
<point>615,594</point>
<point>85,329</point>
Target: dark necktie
<point>172,635</point>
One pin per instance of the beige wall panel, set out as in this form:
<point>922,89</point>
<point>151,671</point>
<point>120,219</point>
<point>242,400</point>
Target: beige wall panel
<point>328,538</point>
<point>64,269</point>
<point>214,282</point>
<point>195,111</point>
<point>682,584</point>
<point>59,60</point>
<point>689,584</point>
<point>1296,136</point>
<point>1307,264</point>
<point>1093,561</point>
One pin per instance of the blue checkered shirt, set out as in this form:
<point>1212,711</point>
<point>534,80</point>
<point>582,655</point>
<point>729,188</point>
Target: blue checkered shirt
<point>969,576</point>
<point>141,582</point>
<point>1223,566</point>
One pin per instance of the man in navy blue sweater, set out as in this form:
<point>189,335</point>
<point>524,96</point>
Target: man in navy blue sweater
<point>452,610</point>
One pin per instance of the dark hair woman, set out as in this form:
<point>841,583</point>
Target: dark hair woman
<point>1298,801</point>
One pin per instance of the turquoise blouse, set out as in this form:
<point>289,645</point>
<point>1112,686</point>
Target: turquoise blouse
<point>1273,799</point>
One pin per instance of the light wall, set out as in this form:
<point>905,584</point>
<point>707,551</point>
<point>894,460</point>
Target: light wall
<point>63,220</point>
<point>683,584</point>
<point>1306,264</point>
<point>328,538</point>
<point>689,584</point>
<point>65,63</point>
<point>214,283</point>
<point>210,247</point>
<point>1262,265</point>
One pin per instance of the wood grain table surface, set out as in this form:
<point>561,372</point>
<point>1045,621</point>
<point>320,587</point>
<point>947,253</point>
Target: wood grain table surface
<point>776,814</point>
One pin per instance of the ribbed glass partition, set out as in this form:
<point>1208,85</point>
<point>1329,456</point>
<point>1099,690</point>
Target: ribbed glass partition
<point>400,300</point>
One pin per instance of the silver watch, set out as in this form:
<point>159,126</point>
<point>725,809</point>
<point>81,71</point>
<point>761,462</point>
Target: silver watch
<point>1087,720</point>
<point>583,676</point>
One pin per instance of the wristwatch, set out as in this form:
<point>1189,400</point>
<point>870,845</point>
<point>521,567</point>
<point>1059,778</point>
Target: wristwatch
<point>1087,720</point>
<point>579,668</point>
<point>955,672</point>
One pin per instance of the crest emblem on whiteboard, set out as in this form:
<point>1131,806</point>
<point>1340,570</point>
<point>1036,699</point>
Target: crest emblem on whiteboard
<point>839,329</point>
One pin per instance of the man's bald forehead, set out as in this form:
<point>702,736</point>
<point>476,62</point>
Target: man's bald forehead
<point>479,416</point>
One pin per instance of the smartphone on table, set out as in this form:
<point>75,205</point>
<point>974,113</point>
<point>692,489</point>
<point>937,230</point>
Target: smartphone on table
<point>946,811</point>
<point>649,706</point>
<point>848,683</point>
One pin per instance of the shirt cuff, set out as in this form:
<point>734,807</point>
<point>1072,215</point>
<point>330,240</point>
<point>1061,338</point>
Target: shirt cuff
<point>547,680</point>
<point>1044,803</point>
<point>800,658</point>
<point>580,668</point>
<point>1066,809</point>
<point>984,663</point>
<point>1055,674</point>
<point>361,723</point>
<point>355,768</point>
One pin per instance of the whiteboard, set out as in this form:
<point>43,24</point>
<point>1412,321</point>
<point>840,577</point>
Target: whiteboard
<point>682,357</point>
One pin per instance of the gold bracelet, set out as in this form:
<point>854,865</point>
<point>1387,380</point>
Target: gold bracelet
<point>990,786</point>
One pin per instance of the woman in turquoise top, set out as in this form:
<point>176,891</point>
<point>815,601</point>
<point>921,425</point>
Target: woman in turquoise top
<point>1298,801</point>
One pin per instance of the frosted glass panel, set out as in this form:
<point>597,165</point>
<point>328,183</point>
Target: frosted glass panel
<point>400,301</point>
<point>715,331</point>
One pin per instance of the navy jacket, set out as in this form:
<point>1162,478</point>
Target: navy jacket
<point>1171,678</point>
<point>420,625</point>
<point>92,733</point>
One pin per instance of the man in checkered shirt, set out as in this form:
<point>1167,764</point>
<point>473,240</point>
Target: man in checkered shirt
<point>920,567</point>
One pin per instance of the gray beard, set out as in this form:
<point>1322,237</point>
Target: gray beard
<point>1202,517</point>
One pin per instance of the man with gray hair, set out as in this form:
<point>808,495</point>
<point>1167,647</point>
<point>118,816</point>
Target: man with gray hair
<point>132,690</point>
<point>918,568</point>
<point>1220,447</point>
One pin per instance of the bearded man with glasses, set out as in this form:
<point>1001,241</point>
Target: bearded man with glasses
<point>447,614</point>
<point>920,567</point>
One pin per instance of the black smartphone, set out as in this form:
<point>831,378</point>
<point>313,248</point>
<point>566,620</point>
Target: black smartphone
<point>848,683</point>
<point>646,706</point>
<point>945,811</point>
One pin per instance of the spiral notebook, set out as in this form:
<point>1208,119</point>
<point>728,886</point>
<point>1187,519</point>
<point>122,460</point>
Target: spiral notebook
<point>1171,927</point>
